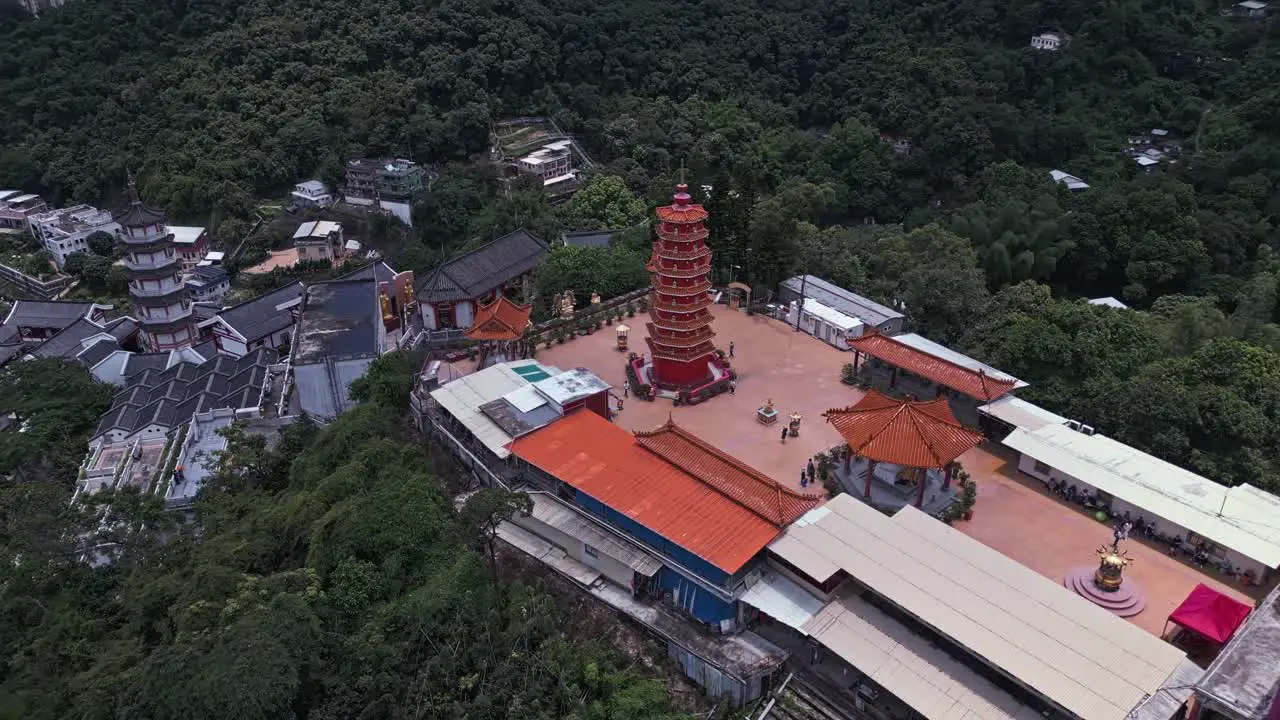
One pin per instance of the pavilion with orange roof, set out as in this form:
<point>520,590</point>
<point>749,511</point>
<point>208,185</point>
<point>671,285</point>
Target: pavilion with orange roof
<point>913,436</point>
<point>499,328</point>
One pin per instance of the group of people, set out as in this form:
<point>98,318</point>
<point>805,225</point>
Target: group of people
<point>809,474</point>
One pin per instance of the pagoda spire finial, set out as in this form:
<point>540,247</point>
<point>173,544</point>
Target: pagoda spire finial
<point>132,188</point>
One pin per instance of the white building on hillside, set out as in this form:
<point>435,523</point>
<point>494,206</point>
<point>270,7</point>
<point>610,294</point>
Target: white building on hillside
<point>1047,41</point>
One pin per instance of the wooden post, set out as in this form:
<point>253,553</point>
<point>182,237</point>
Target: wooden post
<point>946,476</point>
<point>922,476</point>
<point>893,378</point>
<point>871,469</point>
<point>848,458</point>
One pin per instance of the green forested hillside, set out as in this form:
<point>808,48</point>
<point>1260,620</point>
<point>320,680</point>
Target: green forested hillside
<point>327,577</point>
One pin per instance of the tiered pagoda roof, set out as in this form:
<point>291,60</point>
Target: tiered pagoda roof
<point>903,432</point>
<point>680,266</point>
<point>139,214</point>
<point>500,319</point>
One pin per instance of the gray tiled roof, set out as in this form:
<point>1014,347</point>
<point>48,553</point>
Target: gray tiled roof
<point>47,313</point>
<point>97,352</point>
<point>141,362</point>
<point>170,397</point>
<point>209,274</point>
<point>483,269</point>
<point>121,328</point>
<point>589,238</point>
<point>66,342</point>
<point>257,318</point>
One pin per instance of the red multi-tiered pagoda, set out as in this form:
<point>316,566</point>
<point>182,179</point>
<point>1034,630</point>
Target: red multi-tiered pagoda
<point>679,310</point>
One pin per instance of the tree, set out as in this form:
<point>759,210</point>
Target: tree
<point>388,380</point>
<point>604,202</point>
<point>58,403</point>
<point>485,511</point>
<point>102,244</point>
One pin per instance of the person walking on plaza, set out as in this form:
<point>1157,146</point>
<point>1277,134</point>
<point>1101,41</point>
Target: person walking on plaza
<point>784,435</point>
<point>804,480</point>
<point>732,386</point>
<point>810,468</point>
<point>730,348</point>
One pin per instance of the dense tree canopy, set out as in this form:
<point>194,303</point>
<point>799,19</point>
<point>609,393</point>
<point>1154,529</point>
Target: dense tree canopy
<point>325,574</point>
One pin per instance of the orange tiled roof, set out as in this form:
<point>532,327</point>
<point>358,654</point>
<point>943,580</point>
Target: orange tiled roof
<point>608,463</point>
<point>747,486</point>
<point>974,383</point>
<point>500,319</point>
<point>903,432</point>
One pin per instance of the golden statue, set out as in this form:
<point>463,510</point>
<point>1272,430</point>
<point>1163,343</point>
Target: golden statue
<point>595,298</point>
<point>1112,561</point>
<point>566,305</point>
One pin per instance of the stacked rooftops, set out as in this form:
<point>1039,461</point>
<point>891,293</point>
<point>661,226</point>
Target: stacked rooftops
<point>475,274</point>
<point>166,398</point>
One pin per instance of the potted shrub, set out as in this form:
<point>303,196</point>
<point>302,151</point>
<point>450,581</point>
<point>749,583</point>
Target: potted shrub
<point>969,498</point>
<point>631,309</point>
<point>848,375</point>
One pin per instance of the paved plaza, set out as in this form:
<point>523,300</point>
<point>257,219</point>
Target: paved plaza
<point>802,374</point>
<point>799,372</point>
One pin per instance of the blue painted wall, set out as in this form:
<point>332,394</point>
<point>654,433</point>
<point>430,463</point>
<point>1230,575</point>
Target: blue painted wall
<point>695,600</point>
<point>702,568</point>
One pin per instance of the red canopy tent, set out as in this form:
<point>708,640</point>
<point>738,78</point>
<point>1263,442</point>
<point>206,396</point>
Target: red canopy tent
<point>1210,614</point>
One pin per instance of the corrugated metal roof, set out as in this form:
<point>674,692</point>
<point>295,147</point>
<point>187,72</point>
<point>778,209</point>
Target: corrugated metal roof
<point>914,434</point>
<point>1073,653</point>
<point>1242,518</point>
<point>605,462</point>
<point>571,385</point>
<point>1020,413</point>
<point>463,397</point>
<point>834,296</point>
<point>924,360</point>
<point>783,600</point>
<point>933,683</point>
<point>552,512</point>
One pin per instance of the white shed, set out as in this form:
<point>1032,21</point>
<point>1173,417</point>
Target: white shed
<point>825,323</point>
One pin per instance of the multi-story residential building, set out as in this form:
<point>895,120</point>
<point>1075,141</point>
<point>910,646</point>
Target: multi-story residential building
<point>206,283</point>
<point>318,240</point>
<point>553,162</point>
<point>191,243</point>
<point>155,277</point>
<point>16,207</point>
<point>65,231</point>
<point>388,179</point>
<point>311,193</point>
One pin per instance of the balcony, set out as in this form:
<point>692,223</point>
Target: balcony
<point>690,290</point>
<point>149,262</point>
<point>690,324</point>
<point>172,315</point>
<point>164,289</point>
<point>694,303</point>
<point>672,343</point>
<point>701,233</point>
<point>677,272</point>
<point>680,354</point>
<point>695,254</point>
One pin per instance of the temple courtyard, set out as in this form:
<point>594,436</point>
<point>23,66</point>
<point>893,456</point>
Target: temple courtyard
<point>801,374</point>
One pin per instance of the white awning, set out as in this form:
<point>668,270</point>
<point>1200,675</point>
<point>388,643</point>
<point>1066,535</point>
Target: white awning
<point>783,600</point>
<point>1020,413</point>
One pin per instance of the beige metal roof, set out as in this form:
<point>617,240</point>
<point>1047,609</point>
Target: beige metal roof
<point>1020,413</point>
<point>463,397</point>
<point>1082,658</point>
<point>1242,518</point>
<point>553,513</point>
<point>922,675</point>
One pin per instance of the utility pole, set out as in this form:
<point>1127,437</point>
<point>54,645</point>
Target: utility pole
<point>804,283</point>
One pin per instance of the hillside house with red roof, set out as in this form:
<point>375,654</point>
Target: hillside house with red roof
<point>913,365</point>
<point>705,515</point>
